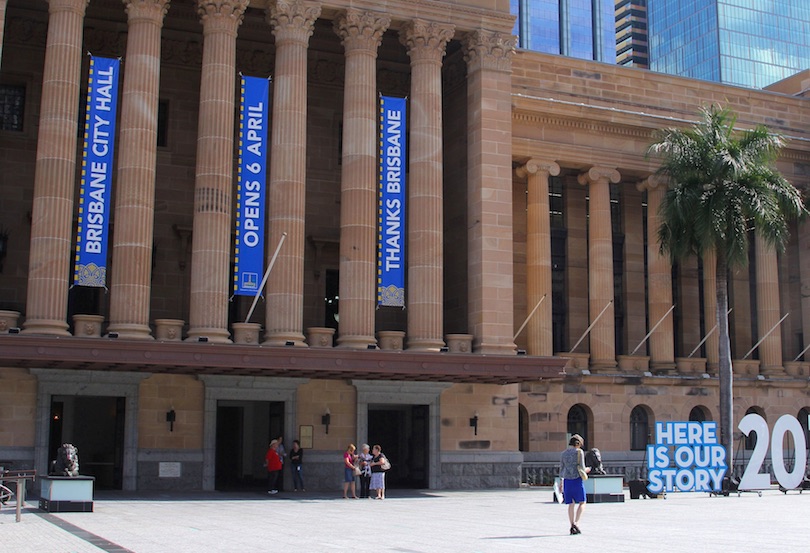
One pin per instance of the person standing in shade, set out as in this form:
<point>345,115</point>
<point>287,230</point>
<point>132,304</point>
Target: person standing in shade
<point>273,463</point>
<point>365,459</point>
<point>349,458</point>
<point>571,461</point>
<point>296,458</point>
<point>377,472</point>
<point>282,455</point>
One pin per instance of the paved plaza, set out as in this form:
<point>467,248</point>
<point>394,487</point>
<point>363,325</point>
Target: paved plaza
<point>410,522</point>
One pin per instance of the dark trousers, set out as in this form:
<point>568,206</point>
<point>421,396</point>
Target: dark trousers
<point>365,481</point>
<point>272,479</point>
<point>298,481</point>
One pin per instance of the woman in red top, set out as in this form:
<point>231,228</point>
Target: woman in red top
<point>349,458</point>
<point>273,463</point>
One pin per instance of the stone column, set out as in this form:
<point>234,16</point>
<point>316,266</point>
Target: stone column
<point>55,171</point>
<point>292,22</point>
<point>803,238</point>
<point>600,265</point>
<point>712,343</point>
<point>426,44</point>
<point>130,291</point>
<point>659,282</point>
<point>768,308</point>
<point>211,239</point>
<point>538,256</point>
<point>361,34</point>
<point>489,190</point>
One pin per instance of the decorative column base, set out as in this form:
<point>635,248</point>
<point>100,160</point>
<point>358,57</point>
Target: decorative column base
<point>797,368</point>
<point>87,326</point>
<point>634,364</point>
<point>50,327</point>
<point>577,362</point>
<point>495,349</point>
<point>357,342</point>
<point>690,365</point>
<point>214,335</point>
<point>391,339</point>
<point>282,338</point>
<point>169,330</point>
<point>745,367</point>
<point>131,331</point>
<point>246,333</point>
<point>773,370</point>
<point>425,345</point>
<point>459,343</point>
<point>8,319</point>
<point>320,336</point>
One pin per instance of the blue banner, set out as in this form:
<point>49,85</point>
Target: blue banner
<point>90,267</point>
<point>251,188</point>
<point>391,209</point>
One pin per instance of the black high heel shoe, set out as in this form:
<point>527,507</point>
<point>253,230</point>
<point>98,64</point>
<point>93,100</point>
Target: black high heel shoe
<point>575,529</point>
<point>573,532</point>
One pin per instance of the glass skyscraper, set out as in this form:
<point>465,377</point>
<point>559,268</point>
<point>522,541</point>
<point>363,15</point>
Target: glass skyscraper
<point>578,28</point>
<point>751,43</point>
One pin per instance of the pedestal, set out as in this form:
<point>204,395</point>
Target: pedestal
<point>8,319</point>
<point>66,494</point>
<point>87,326</point>
<point>169,330</point>
<point>391,339</point>
<point>320,336</point>
<point>246,333</point>
<point>459,343</point>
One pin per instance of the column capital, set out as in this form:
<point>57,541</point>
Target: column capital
<point>489,50</point>
<point>426,40</point>
<point>534,166</point>
<point>221,15</point>
<point>293,20</point>
<point>596,175</point>
<point>77,6</point>
<point>361,30</point>
<point>653,182</point>
<point>148,10</point>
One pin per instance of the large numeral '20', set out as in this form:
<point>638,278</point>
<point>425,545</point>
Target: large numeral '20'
<point>752,479</point>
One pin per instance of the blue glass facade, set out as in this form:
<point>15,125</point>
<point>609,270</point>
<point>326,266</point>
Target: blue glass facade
<point>577,28</point>
<point>750,43</point>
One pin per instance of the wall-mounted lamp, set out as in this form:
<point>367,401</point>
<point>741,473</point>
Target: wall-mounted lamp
<point>326,418</point>
<point>171,416</point>
<point>3,246</point>
<point>474,422</point>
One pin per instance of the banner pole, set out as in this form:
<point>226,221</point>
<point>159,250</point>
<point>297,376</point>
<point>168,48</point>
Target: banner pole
<point>536,307</point>
<point>587,330</point>
<point>266,275</point>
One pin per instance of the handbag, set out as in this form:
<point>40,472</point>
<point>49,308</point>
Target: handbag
<point>357,471</point>
<point>580,468</point>
<point>386,464</point>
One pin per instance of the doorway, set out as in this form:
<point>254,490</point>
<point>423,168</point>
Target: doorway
<point>243,431</point>
<point>403,432</point>
<point>95,425</point>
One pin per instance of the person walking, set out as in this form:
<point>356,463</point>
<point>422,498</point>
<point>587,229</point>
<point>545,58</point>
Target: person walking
<point>572,467</point>
<point>377,472</point>
<point>296,458</point>
<point>349,458</point>
<point>365,459</point>
<point>273,464</point>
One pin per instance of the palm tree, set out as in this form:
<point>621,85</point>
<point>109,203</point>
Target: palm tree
<point>722,183</point>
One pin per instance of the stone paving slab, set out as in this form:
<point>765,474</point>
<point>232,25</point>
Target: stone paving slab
<point>414,522</point>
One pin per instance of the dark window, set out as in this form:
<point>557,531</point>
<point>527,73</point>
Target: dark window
<point>578,423</point>
<point>556,202</point>
<point>163,124</point>
<point>697,414</point>
<point>12,107</point>
<point>804,415</point>
<point>639,428</point>
<point>331,299</point>
<point>751,439</point>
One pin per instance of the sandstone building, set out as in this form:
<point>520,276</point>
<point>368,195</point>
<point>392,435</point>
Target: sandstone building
<point>529,193</point>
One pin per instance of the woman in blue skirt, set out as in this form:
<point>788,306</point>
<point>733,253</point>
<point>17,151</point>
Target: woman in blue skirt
<point>571,460</point>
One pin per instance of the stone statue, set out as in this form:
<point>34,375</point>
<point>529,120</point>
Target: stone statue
<point>67,461</point>
<point>593,459</point>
